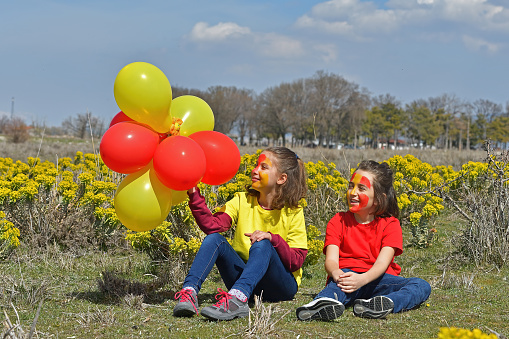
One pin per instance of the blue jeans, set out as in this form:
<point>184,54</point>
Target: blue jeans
<point>263,271</point>
<point>406,293</point>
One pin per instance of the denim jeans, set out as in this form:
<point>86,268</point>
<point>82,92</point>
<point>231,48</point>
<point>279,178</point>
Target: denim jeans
<point>264,270</point>
<point>406,293</point>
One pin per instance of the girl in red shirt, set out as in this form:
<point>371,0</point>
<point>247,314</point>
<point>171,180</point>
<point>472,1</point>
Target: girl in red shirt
<point>360,246</point>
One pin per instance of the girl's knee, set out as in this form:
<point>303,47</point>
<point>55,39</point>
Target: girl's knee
<point>213,237</point>
<point>423,286</point>
<point>264,245</point>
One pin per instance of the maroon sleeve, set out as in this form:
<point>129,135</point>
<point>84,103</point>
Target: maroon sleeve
<point>292,258</point>
<point>208,222</point>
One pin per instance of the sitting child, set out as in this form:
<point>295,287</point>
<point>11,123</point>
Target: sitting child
<point>360,246</point>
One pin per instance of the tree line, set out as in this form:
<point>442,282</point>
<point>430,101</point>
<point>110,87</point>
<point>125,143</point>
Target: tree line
<point>328,110</point>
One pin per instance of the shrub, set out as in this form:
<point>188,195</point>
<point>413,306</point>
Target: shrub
<point>16,130</point>
<point>414,181</point>
<point>483,200</point>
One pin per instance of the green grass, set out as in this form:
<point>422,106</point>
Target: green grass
<point>74,307</point>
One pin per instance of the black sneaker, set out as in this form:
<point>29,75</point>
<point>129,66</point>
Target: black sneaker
<point>374,308</point>
<point>187,305</point>
<point>321,309</point>
<point>228,307</point>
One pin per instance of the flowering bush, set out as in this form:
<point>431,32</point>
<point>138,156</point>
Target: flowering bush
<point>9,236</point>
<point>74,197</point>
<point>49,202</point>
<point>461,333</point>
<point>326,193</point>
<point>315,246</point>
<point>413,180</point>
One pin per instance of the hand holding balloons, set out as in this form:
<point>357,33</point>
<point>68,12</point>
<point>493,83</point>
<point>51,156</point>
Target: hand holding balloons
<point>165,146</point>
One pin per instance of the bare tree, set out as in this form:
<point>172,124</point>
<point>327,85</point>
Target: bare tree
<point>228,105</point>
<point>83,125</point>
<point>16,130</point>
<point>3,122</point>
<point>279,107</point>
<point>329,98</point>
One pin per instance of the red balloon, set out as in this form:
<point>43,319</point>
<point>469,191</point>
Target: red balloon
<point>127,147</point>
<point>120,117</point>
<point>179,162</point>
<point>222,155</point>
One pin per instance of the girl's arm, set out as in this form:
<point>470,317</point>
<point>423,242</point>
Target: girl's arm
<point>332,262</point>
<point>351,281</point>
<point>208,222</point>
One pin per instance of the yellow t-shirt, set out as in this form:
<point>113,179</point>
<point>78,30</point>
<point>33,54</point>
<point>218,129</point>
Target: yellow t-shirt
<point>249,217</point>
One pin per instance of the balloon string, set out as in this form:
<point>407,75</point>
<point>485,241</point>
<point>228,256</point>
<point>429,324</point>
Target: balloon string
<point>175,126</point>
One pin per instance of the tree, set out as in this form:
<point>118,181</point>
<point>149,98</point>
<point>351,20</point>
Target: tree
<point>422,126</point>
<point>279,106</point>
<point>329,97</point>
<point>486,111</point>
<point>84,125</point>
<point>16,130</point>
<point>446,107</point>
<point>384,120</point>
<point>228,105</point>
<point>375,126</point>
<point>498,129</point>
<point>356,114</point>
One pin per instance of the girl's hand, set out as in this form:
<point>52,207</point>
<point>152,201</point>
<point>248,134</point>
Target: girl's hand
<point>258,235</point>
<point>336,274</point>
<point>350,282</point>
<point>192,190</point>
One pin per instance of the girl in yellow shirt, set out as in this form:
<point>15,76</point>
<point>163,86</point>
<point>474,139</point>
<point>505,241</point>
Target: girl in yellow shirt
<point>269,245</point>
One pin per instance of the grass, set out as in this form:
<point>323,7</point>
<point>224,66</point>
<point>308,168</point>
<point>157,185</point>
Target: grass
<point>73,305</point>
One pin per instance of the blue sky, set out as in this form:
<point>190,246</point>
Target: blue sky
<point>60,58</point>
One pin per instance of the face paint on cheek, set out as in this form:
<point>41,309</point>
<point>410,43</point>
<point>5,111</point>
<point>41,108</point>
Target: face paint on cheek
<point>264,180</point>
<point>363,198</point>
<point>363,202</point>
<point>260,160</point>
<point>264,177</point>
<point>360,179</point>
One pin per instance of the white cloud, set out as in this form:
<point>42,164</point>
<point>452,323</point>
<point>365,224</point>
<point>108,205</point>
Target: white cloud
<point>275,45</point>
<point>362,19</point>
<point>335,27</point>
<point>266,44</point>
<point>220,32</point>
<point>476,44</point>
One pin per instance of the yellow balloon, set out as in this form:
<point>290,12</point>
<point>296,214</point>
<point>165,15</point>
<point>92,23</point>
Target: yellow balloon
<point>195,114</point>
<point>142,202</point>
<point>143,93</point>
<point>177,197</point>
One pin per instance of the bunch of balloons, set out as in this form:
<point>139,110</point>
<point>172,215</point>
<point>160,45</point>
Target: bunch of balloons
<point>165,146</point>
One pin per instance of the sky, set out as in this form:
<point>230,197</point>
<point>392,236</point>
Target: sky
<point>60,58</point>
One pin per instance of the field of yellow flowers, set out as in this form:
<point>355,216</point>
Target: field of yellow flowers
<point>33,190</point>
<point>69,204</point>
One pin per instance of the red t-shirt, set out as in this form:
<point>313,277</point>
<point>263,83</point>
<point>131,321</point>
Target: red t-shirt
<point>360,244</point>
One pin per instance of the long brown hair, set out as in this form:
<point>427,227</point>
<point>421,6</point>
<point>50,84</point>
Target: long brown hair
<point>385,195</point>
<point>295,187</point>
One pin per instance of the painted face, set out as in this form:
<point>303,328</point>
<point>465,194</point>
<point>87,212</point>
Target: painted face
<point>360,194</point>
<point>264,175</point>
